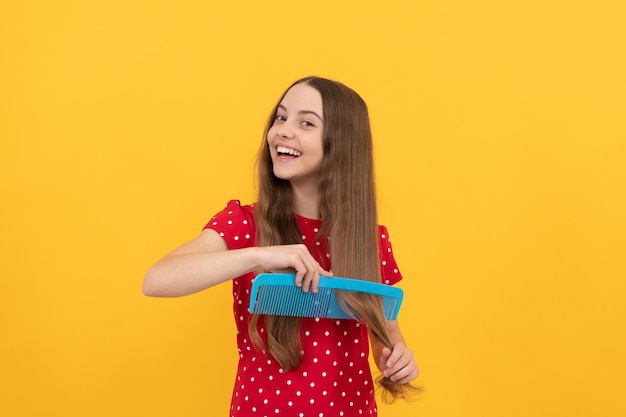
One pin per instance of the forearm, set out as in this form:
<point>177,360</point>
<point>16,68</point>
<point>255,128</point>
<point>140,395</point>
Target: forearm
<point>206,261</point>
<point>187,273</point>
<point>395,335</point>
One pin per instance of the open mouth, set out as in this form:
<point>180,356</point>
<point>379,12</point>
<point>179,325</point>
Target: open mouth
<point>284,151</point>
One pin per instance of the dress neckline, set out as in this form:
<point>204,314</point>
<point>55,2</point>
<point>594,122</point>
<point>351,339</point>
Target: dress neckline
<point>307,220</point>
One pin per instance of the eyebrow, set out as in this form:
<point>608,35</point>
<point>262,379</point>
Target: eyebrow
<point>301,112</point>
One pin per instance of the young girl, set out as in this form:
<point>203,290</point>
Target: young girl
<point>316,205</point>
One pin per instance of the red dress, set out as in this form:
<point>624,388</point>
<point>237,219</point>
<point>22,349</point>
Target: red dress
<point>334,378</point>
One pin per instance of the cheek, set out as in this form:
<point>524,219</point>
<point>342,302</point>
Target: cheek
<point>319,153</point>
<point>271,132</point>
<point>320,146</point>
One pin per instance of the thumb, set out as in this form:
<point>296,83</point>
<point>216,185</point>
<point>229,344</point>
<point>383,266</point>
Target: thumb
<point>384,355</point>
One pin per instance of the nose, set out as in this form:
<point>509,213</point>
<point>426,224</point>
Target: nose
<point>286,130</point>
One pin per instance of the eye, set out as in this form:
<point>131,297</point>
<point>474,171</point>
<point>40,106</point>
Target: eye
<point>280,118</point>
<point>306,123</point>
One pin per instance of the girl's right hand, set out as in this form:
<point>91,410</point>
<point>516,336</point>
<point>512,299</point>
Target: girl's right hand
<point>293,258</point>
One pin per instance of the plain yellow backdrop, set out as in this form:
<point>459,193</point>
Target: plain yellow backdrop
<point>500,146</point>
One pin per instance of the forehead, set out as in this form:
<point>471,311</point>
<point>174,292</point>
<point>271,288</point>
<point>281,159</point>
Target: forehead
<point>302,97</point>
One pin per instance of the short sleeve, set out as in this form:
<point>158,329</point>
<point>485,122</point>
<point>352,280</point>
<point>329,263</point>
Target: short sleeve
<point>390,274</point>
<point>235,224</point>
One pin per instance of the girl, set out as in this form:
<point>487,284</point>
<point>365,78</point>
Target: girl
<point>316,204</point>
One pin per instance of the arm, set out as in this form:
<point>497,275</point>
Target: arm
<point>206,261</point>
<point>398,362</point>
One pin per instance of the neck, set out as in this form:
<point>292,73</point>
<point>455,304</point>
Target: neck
<point>307,202</point>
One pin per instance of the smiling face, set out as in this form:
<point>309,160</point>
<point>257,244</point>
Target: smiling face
<point>295,140</point>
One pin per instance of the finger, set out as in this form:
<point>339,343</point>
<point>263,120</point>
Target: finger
<point>319,272</point>
<point>395,363</point>
<point>397,371</point>
<point>397,352</point>
<point>312,275</point>
<point>308,269</point>
<point>308,277</point>
<point>315,283</point>
<point>406,374</point>
<point>295,261</point>
<point>301,271</point>
<point>384,355</point>
<point>299,278</point>
<point>306,283</point>
<point>312,279</point>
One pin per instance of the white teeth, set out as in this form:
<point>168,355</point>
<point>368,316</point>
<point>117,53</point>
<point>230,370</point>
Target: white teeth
<point>283,149</point>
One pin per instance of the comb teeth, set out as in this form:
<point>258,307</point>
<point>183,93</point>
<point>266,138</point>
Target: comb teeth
<point>276,294</point>
<point>292,301</point>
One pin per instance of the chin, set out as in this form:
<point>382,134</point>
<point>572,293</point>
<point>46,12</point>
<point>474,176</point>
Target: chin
<point>281,176</point>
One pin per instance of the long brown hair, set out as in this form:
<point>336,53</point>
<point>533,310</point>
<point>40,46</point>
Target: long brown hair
<point>351,219</point>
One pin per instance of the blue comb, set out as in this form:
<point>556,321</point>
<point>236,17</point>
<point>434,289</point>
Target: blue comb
<point>278,295</point>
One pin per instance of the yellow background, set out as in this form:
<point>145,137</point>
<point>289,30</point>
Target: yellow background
<point>500,146</point>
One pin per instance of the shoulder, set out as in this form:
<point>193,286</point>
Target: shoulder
<point>234,223</point>
<point>234,206</point>
<point>234,210</point>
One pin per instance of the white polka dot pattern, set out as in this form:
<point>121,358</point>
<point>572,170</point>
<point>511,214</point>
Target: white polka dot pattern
<point>334,377</point>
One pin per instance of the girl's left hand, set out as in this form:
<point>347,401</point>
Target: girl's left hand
<point>398,364</point>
